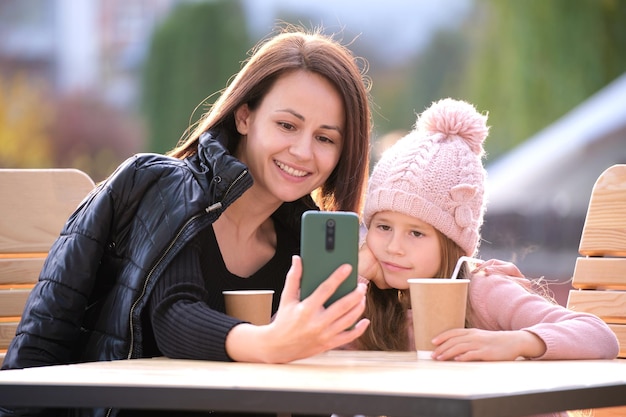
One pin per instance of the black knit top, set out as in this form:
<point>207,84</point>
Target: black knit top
<point>186,308</point>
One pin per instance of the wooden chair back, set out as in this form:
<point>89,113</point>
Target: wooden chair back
<point>600,273</point>
<point>34,206</point>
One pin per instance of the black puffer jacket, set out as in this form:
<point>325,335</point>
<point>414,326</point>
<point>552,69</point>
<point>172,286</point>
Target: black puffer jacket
<point>99,273</point>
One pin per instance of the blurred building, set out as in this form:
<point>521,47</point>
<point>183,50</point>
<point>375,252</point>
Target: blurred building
<point>94,46</point>
<point>539,192</point>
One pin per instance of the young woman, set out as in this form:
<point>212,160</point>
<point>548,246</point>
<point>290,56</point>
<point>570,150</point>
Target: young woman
<point>423,211</point>
<point>139,268</point>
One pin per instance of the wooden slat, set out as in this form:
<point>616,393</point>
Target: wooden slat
<point>7,331</point>
<point>20,270</point>
<point>600,273</point>
<point>609,412</point>
<point>601,282</point>
<point>620,332</point>
<point>34,205</point>
<point>610,306</point>
<point>12,301</point>
<point>8,326</point>
<point>604,232</point>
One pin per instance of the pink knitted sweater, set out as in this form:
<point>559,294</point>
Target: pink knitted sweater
<point>501,303</point>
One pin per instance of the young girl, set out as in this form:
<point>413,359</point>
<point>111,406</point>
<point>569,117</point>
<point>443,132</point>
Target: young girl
<point>423,211</point>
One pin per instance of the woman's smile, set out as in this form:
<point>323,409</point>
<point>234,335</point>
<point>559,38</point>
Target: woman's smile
<point>292,143</point>
<point>294,172</point>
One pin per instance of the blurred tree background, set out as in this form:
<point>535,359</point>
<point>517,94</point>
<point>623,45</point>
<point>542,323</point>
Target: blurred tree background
<point>39,129</point>
<point>193,54</point>
<point>536,60</point>
<point>525,62</point>
<point>25,116</point>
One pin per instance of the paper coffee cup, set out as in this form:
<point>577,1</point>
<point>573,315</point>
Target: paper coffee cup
<point>254,306</point>
<point>437,305</point>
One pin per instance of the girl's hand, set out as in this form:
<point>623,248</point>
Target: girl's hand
<point>497,267</point>
<point>485,345</point>
<point>302,328</point>
<point>369,268</point>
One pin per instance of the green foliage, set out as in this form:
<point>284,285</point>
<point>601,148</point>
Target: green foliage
<point>192,56</point>
<point>535,60</point>
<point>434,74</point>
<point>527,63</point>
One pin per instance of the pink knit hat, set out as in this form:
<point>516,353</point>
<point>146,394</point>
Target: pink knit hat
<point>435,173</point>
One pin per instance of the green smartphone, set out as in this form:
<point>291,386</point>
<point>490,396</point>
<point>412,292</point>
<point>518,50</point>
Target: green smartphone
<point>329,239</point>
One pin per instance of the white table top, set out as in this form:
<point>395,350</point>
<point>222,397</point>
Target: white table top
<point>337,381</point>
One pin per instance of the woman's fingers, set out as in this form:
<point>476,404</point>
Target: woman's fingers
<point>291,291</point>
<point>347,310</point>
<point>306,327</point>
<point>327,288</point>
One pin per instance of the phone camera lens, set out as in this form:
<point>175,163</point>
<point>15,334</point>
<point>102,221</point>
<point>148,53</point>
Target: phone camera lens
<point>330,235</point>
<point>330,243</point>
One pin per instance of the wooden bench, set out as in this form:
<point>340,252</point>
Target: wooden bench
<point>34,206</point>
<point>600,273</point>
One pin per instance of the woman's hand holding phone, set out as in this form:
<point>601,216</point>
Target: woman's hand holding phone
<point>303,328</point>
<point>328,240</point>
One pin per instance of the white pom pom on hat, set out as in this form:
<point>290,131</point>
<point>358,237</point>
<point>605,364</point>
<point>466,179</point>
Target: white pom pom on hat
<point>435,173</point>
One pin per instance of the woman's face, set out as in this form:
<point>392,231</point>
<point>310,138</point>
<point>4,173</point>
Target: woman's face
<point>404,246</point>
<point>293,140</point>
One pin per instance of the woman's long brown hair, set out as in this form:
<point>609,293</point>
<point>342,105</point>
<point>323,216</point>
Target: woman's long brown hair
<point>290,50</point>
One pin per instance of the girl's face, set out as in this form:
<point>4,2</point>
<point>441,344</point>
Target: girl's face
<point>405,247</point>
<point>293,140</point>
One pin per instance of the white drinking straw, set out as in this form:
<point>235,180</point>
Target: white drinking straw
<point>460,262</point>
